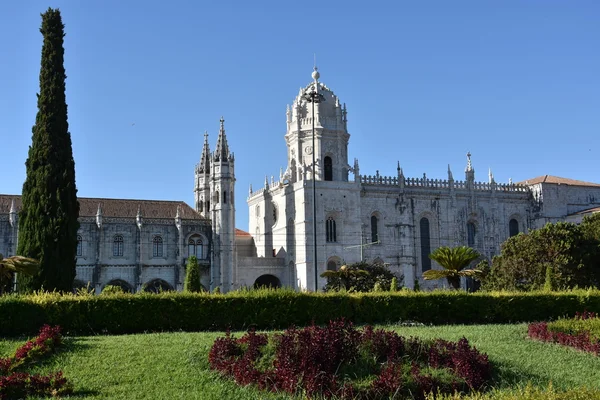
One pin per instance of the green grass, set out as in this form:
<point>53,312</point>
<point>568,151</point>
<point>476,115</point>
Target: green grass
<point>175,366</point>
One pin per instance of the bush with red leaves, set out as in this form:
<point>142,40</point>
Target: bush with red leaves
<point>325,362</point>
<point>581,341</point>
<point>16,384</point>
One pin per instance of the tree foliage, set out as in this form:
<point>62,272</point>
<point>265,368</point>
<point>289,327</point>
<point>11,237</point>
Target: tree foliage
<point>359,277</point>
<point>453,260</point>
<point>15,264</point>
<point>558,256</point>
<point>48,219</point>
<point>192,276</point>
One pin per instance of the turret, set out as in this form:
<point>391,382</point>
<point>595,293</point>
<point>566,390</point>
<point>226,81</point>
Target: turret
<point>202,180</point>
<point>469,171</point>
<point>222,212</point>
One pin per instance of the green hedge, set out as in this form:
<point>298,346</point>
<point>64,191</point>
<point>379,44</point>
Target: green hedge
<point>126,313</point>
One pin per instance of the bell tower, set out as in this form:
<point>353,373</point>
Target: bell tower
<point>222,212</point>
<point>327,120</point>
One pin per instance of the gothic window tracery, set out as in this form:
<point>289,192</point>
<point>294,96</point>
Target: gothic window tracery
<point>196,247</point>
<point>157,246</point>
<point>118,246</point>
<point>330,230</point>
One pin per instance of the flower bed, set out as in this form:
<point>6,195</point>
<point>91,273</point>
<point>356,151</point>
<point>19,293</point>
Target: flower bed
<point>16,384</point>
<point>339,360</point>
<point>580,332</point>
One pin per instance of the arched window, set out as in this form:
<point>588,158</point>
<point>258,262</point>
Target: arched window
<point>331,265</point>
<point>224,197</point>
<point>200,206</point>
<point>330,231</point>
<point>374,232</point>
<point>118,246</point>
<point>157,246</point>
<point>216,197</point>
<point>513,227</point>
<point>79,246</point>
<point>425,244</point>
<point>207,205</point>
<point>471,234</point>
<point>196,247</point>
<point>328,169</point>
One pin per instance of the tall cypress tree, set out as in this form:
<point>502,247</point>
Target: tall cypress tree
<point>48,219</point>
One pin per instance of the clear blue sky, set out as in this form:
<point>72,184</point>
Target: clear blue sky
<point>515,82</point>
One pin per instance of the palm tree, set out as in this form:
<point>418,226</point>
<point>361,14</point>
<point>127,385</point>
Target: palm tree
<point>345,274</point>
<point>15,264</point>
<point>454,260</point>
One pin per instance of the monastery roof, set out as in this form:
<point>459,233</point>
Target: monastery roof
<point>558,180</point>
<point>123,208</point>
<point>239,232</point>
<point>587,211</point>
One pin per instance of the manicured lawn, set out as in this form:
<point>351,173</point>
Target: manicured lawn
<point>175,366</point>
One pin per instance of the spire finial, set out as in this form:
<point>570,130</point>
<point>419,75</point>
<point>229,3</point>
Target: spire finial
<point>469,165</point>
<point>315,74</point>
<point>222,120</point>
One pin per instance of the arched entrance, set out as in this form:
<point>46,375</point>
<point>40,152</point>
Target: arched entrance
<point>157,286</point>
<point>267,281</point>
<point>122,284</point>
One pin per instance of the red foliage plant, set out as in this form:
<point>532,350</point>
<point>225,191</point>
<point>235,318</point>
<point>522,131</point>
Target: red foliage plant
<point>581,341</point>
<point>319,361</point>
<point>17,384</point>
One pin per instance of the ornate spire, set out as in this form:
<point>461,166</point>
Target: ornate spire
<point>222,150</point>
<point>138,217</point>
<point>490,176</point>
<point>450,177</point>
<point>99,216</point>
<point>469,165</point>
<point>12,214</point>
<point>178,218</point>
<point>205,157</point>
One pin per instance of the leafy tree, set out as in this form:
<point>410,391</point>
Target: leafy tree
<point>192,276</point>
<point>454,260</point>
<point>359,277</point>
<point>561,255</point>
<point>48,219</point>
<point>15,264</point>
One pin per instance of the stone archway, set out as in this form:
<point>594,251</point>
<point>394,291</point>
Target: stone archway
<point>157,286</point>
<point>267,281</point>
<point>127,288</point>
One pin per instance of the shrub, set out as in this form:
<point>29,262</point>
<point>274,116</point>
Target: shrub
<point>581,332</point>
<point>562,255</point>
<point>192,276</point>
<point>329,361</point>
<point>278,309</point>
<point>351,278</point>
<point>15,383</point>
<point>112,289</point>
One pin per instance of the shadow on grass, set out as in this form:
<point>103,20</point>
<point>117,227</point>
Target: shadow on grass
<point>505,375</point>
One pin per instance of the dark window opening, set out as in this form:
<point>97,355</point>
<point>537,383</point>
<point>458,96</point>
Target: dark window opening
<point>330,230</point>
<point>374,233</point>
<point>328,169</point>
<point>513,227</point>
<point>471,234</point>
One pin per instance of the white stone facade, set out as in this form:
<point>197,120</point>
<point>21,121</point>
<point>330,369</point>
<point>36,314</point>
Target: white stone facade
<point>395,220</point>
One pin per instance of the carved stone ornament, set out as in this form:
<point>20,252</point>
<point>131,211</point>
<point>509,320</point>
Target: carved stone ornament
<point>308,149</point>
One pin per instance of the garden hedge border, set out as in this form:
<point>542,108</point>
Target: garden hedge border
<point>279,309</point>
